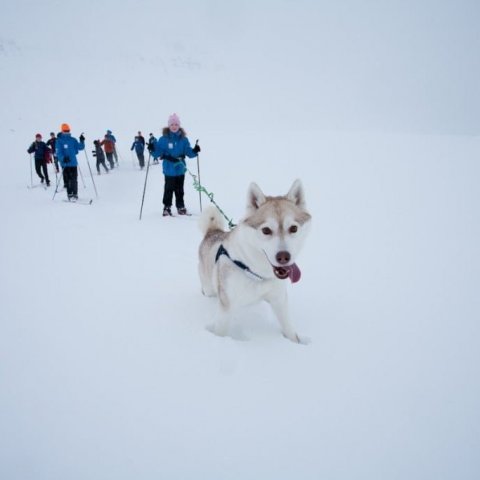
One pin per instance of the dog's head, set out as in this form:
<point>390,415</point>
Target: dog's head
<point>279,226</point>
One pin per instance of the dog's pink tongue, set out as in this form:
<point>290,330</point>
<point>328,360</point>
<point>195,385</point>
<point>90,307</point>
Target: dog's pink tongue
<point>294,273</point>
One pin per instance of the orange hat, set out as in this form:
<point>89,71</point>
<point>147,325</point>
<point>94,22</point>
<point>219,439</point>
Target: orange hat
<point>65,127</point>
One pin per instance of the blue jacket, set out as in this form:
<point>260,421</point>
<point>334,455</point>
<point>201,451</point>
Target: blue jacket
<point>172,148</point>
<point>138,145</point>
<point>67,149</point>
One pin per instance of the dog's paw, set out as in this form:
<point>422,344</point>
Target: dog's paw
<point>295,338</point>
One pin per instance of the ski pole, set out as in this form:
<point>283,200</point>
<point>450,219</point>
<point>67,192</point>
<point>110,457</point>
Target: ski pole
<point>81,176</point>
<point>144,187</point>
<point>56,173</point>
<point>116,154</point>
<point>91,174</point>
<point>56,185</point>
<point>133,160</point>
<point>198,172</point>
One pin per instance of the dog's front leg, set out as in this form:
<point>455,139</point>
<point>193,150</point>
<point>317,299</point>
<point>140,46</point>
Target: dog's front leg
<point>279,305</point>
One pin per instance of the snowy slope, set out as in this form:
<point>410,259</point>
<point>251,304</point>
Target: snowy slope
<point>106,367</point>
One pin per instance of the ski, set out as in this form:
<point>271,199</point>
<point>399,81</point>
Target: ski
<point>178,216</point>
<point>30,187</point>
<point>80,201</point>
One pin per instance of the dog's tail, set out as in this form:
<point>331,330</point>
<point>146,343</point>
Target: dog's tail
<point>210,220</point>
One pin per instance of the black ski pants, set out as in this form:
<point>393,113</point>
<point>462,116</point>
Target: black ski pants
<point>101,161</point>
<point>141,159</point>
<point>174,185</point>
<point>70,177</point>
<point>41,165</point>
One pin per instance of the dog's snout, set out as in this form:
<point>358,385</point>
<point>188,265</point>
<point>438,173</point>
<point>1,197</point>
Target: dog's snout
<point>283,257</point>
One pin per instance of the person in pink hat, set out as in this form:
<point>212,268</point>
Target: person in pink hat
<point>172,148</point>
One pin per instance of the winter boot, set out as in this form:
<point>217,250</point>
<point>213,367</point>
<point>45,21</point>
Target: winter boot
<point>167,212</point>
<point>182,211</point>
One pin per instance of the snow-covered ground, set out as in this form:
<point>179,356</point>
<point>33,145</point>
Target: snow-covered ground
<point>106,367</point>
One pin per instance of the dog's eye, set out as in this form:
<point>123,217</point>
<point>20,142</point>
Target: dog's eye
<point>293,229</point>
<point>266,231</point>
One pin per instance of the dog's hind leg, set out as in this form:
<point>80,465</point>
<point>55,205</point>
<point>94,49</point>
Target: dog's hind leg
<point>222,318</point>
<point>206,282</point>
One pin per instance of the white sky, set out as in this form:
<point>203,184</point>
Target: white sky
<point>383,65</point>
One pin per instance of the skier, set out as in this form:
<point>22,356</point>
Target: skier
<point>172,147</point>
<point>151,147</point>
<point>110,136</point>
<point>41,156</point>
<point>141,137</point>
<point>51,144</point>
<point>67,149</point>
<point>139,146</point>
<point>109,145</point>
<point>98,153</point>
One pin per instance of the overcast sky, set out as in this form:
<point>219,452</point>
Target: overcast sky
<point>393,65</point>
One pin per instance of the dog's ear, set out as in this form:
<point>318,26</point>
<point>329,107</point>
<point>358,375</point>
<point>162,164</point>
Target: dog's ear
<point>255,197</point>
<point>296,193</point>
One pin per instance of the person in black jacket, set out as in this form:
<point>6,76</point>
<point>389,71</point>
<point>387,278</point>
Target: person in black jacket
<point>42,154</point>
<point>98,153</point>
<point>141,138</point>
<point>51,144</point>
<point>139,146</point>
<point>151,147</point>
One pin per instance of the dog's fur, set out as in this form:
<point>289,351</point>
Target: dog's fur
<point>257,255</point>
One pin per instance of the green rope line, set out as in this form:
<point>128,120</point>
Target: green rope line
<point>200,188</point>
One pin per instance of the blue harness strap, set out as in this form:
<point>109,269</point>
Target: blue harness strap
<point>222,251</point>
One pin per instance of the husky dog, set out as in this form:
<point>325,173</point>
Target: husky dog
<point>252,262</point>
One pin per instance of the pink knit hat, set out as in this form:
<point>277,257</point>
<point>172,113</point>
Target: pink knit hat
<point>173,119</point>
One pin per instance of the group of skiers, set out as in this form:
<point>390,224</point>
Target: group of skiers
<point>63,148</point>
<point>109,145</point>
<point>172,148</point>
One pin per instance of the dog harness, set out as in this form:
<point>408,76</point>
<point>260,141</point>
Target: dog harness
<point>222,251</point>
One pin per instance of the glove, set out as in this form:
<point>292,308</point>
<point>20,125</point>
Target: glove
<point>82,138</point>
<point>197,148</point>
